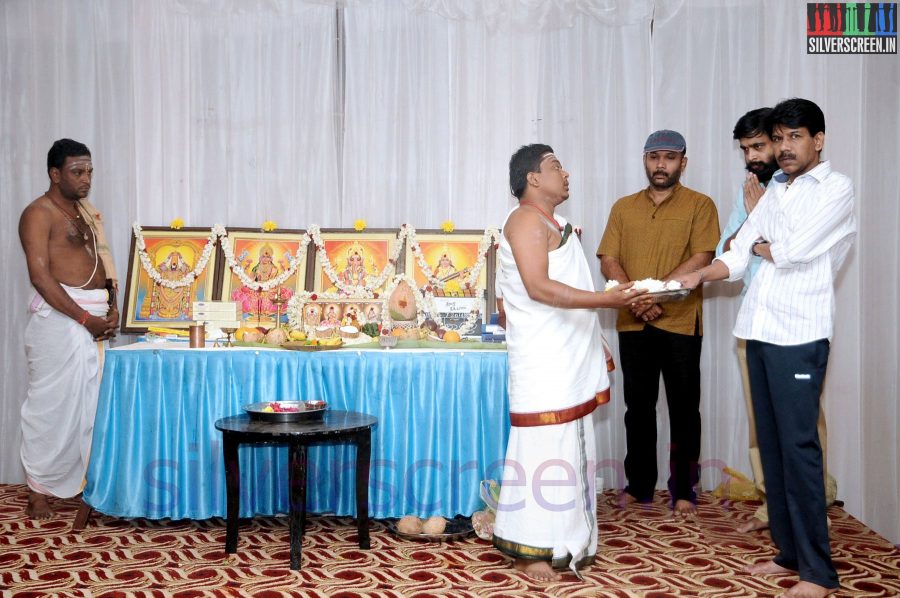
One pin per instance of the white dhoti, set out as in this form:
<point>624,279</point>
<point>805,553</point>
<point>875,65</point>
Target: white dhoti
<point>557,376</point>
<point>64,369</point>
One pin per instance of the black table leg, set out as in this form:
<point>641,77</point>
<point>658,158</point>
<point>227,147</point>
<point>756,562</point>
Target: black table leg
<point>297,484</point>
<point>363,455</point>
<point>233,491</point>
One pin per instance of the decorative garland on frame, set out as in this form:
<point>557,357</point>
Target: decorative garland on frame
<point>189,278</point>
<point>424,301</point>
<point>366,291</point>
<point>490,236</point>
<point>279,280</point>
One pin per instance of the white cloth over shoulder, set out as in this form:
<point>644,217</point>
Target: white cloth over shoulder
<point>556,357</point>
<point>547,508</point>
<point>64,369</point>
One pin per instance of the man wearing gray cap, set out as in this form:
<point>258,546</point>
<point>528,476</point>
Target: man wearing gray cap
<point>661,232</point>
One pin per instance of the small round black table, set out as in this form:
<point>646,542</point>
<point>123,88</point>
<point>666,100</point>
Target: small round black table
<point>334,426</point>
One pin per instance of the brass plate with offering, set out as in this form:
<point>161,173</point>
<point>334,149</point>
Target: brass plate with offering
<point>666,296</point>
<point>453,529</point>
<point>286,411</point>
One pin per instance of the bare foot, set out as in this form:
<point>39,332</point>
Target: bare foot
<point>537,570</point>
<point>38,507</point>
<point>624,500</point>
<point>806,589</point>
<point>684,508</point>
<point>753,524</point>
<point>767,568</point>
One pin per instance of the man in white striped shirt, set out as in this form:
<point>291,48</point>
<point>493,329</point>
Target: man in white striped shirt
<point>803,228</point>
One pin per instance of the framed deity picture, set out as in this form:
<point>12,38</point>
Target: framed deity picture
<point>337,312</point>
<point>448,265</point>
<point>264,257</point>
<point>450,259</point>
<point>354,259</point>
<point>160,295</point>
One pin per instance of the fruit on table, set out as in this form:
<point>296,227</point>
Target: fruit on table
<point>252,336</point>
<point>240,332</point>
<point>451,336</point>
<point>402,304</point>
<point>276,336</point>
<point>297,335</point>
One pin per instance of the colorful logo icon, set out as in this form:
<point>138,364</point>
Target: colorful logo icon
<point>851,28</point>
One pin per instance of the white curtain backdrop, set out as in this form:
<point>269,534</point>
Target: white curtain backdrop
<point>408,110</point>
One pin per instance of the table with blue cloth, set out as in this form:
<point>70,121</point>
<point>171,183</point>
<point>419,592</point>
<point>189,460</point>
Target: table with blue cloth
<point>443,423</point>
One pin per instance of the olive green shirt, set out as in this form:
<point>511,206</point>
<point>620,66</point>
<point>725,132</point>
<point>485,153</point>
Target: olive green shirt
<point>650,241</point>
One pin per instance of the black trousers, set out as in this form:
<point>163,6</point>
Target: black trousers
<point>785,384</point>
<point>644,355</point>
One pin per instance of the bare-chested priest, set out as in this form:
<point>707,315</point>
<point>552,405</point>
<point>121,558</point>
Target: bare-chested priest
<point>71,315</point>
<point>546,515</point>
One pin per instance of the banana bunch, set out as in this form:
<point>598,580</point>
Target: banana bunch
<point>330,342</point>
<point>297,335</point>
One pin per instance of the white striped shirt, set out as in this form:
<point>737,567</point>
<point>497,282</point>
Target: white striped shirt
<point>811,227</point>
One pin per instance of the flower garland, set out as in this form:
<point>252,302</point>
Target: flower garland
<point>489,237</point>
<point>366,291</point>
<point>189,278</point>
<point>424,301</point>
<point>424,304</point>
<point>279,280</point>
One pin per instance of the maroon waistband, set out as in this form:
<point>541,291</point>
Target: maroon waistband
<point>563,416</point>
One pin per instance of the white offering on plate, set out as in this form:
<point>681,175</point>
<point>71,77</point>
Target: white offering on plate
<point>651,285</point>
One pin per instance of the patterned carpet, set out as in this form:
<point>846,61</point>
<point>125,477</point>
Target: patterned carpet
<point>643,552</point>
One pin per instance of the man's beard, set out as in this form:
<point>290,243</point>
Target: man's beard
<point>762,170</point>
<point>670,180</point>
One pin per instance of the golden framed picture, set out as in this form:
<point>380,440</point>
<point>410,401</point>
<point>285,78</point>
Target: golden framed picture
<point>264,257</point>
<point>356,259</point>
<point>161,300</point>
<point>451,259</point>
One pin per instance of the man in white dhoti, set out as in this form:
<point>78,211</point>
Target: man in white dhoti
<point>72,313</point>
<point>546,516</point>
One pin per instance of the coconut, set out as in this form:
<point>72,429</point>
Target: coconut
<point>402,304</point>
<point>410,525</point>
<point>434,525</point>
<point>349,332</point>
<point>276,336</point>
<point>253,336</point>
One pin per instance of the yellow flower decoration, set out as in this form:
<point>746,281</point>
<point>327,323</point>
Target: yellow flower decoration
<point>451,287</point>
<point>447,226</point>
<point>359,225</point>
<point>176,224</point>
<point>268,226</point>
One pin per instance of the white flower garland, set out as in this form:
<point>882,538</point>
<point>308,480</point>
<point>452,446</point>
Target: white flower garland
<point>489,237</point>
<point>189,278</point>
<point>424,304</point>
<point>366,291</point>
<point>424,301</point>
<point>279,280</point>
